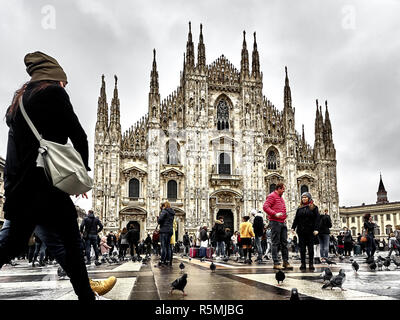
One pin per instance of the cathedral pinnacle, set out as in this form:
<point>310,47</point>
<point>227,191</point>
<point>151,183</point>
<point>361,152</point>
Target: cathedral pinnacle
<point>154,75</point>
<point>201,51</point>
<point>287,95</point>
<point>190,49</point>
<point>255,70</point>
<point>244,64</point>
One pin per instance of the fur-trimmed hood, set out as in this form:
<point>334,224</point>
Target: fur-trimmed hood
<point>310,204</point>
<point>218,222</point>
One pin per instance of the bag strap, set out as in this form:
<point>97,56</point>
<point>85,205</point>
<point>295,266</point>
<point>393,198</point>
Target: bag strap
<point>28,120</point>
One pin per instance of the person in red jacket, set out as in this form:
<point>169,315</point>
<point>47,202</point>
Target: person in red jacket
<point>275,207</point>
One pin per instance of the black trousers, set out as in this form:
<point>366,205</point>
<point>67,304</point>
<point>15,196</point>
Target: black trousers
<point>63,241</point>
<point>306,241</point>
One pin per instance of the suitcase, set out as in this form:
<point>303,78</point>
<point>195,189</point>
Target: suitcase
<point>202,252</point>
<point>193,252</point>
<point>357,249</point>
<point>210,252</point>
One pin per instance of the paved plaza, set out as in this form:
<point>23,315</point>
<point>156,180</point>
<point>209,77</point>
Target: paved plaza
<point>231,281</point>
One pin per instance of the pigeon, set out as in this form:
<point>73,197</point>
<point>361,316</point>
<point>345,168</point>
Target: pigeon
<point>336,281</point>
<point>329,262</point>
<point>327,274</point>
<point>190,259</point>
<point>355,266</point>
<point>280,276</point>
<point>97,263</point>
<point>115,253</point>
<point>203,259</point>
<point>386,263</point>
<point>61,273</point>
<point>212,266</point>
<point>139,258</point>
<point>226,259</point>
<point>372,265</point>
<point>181,266</point>
<point>179,284</point>
<point>134,259</point>
<point>295,295</point>
<point>381,259</point>
<point>341,258</point>
<point>145,260</point>
<point>380,264</point>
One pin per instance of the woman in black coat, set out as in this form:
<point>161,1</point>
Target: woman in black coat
<point>369,227</point>
<point>32,202</point>
<point>306,222</point>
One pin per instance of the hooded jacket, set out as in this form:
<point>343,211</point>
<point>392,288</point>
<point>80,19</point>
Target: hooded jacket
<point>166,220</point>
<point>90,223</point>
<point>307,219</point>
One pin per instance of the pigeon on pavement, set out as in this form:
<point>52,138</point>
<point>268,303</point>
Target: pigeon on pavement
<point>341,258</point>
<point>329,262</point>
<point>372,265</point>
<point>336,281</point>
<point>355,266</point>
<point>327,274</point>
<point>179,284</point>
<point>203,259</point>
<point>212,266</point>
<point>61,273</point>
<point>380,264</point>
<point>386,263</point>
<point>280,276</point>
<point>295,295</point>
<point>396,262</point>
<point>181,266</point>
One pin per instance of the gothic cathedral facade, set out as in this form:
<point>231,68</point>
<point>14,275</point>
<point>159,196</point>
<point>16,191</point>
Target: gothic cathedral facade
<point>215,146</point>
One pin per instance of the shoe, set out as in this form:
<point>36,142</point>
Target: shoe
<point>97,263</point>
<point>287,266</point>
<point>88,263</point>
<point>303,266</point>
<point>278,267</point>
<point>42,263</point>
<point>97,297</point>
<point>102,287</point>
<point>311,267</point>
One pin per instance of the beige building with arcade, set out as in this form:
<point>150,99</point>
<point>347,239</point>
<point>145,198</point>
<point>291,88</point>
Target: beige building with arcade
<point>385,214</point>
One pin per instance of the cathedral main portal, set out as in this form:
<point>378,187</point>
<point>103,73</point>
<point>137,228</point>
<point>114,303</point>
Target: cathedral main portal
<point>227,214</point>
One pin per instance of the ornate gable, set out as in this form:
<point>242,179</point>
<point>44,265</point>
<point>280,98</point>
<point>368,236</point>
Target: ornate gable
<point>222,75</point>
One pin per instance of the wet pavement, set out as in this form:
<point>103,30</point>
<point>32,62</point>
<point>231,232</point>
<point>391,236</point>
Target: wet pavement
<point>230,281</point>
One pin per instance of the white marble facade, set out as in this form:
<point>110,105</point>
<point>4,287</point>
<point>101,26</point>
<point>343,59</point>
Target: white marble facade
<point>215,146</point>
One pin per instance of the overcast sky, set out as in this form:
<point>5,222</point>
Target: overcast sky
<point>346,52</point>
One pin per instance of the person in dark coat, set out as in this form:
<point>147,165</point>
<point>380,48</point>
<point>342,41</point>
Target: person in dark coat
<point>45,209</point>
<point>90,227</point>
<point>133,240</point>
<point>166,220</point>
<point>186,242</point>
<point>111,241</point>
<point>323,233</point>
<point>348,242</point>
<point>258,227</point>
<point>306,222</point>
<point>219,234</point>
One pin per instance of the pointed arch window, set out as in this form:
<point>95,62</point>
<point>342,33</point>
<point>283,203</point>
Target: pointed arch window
<point>222,115</point>
<point>272,163</point>
<point>134,187</point>
<point>172,152</point>
<point>224,166</point>
<point>172,190</point>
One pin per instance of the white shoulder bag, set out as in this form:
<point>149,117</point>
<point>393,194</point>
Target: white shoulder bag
<point>61,162</point>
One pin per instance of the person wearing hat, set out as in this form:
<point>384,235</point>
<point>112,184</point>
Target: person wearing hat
<point>32,202</point>
<point>306,224</point>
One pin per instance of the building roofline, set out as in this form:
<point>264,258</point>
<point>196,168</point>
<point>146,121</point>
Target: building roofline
<point>370,205</point>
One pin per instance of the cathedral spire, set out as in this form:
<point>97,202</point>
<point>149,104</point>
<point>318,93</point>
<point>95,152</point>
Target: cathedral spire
<point>201,50</point>
<point>154,95</point>
<point>115,112</point>
<point>382,194</point>
<point>287,95</point>
<point>244,64</point>
<point>190,49</point>
<point>303,138</point>
<point>255,70</point>
<point>154,76</point>
<point>102,108</point>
